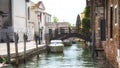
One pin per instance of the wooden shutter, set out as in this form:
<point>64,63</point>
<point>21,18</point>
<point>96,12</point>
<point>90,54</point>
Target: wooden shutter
<point>103,30</point>
<point>111,22</point>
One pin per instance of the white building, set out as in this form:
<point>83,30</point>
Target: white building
<point>19,17</point>
<point>43,18</point>
<point>15,21</point>
<point>22,16</point>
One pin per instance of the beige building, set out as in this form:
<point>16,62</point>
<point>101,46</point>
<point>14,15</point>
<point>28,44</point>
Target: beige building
<point>53,26</point>
<point>37,20</point>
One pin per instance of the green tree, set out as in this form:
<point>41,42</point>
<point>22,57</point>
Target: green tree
<point>87,12</point>
<point>86,23</point>
<point>78,23</point>
<point>55,19</point>
<point>86,26</point>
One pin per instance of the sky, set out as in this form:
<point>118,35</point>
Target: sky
<point>64,10</point>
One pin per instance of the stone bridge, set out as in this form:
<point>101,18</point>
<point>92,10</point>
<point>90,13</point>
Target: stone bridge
<point>64,33</point>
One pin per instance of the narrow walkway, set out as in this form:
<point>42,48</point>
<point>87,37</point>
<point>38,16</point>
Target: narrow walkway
<point>29,45</point>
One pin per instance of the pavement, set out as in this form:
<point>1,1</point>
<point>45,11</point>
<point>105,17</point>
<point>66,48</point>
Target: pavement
<point>29,45</point>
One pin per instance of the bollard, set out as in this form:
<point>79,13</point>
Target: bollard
<point>16,47</point>
<point>35,38</point>
<point>8,48</point>
<point>47,42</point>
<point>24,37</point>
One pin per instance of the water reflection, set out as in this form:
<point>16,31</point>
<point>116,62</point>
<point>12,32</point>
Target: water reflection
<point>73,57</point>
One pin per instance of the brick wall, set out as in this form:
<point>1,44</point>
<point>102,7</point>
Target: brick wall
<point>111,44</point>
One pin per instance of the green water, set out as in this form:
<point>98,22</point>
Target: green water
<point>73,57</point>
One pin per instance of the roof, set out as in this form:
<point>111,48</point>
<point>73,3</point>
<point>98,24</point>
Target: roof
<point>39,4</point>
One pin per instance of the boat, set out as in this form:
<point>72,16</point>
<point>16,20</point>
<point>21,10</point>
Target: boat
<point>3,65</point>
<point>56,46</point>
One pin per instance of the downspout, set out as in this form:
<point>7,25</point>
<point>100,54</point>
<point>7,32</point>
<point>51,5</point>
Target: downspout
<point>11,17</point>
<point>26,13</point>
<point>93,27</point>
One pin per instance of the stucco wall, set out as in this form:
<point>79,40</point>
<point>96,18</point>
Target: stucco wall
<point>19,17</point>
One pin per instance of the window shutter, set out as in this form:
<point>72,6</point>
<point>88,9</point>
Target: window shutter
<point>111,22</point>
<point>103,31</point>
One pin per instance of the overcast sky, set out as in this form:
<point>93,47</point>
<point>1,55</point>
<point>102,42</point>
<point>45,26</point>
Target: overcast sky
<point>64,10</point>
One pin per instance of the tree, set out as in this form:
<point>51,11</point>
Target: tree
<point>87,12</point>
<point>78,23</point>
<point>86,23</point>
<point>55,19</point>
<point>86,26</point>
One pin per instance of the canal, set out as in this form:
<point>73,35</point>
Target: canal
<point>74,56</point>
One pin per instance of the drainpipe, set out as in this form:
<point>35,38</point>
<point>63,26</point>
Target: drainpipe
<point>93,27</point>
<point>93,43</point>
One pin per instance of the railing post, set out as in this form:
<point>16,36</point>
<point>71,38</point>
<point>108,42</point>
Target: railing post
<point>8,48</point>
<point>56,32</point>
<point>69,29</point>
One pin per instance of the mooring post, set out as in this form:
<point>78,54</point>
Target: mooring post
<point>16,47</point>
<point>24,37</point>
<point>35,38</point>
<point>47,43</point>
<point>8,48</point>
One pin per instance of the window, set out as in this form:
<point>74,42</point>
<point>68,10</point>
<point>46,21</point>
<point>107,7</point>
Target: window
<point>111,22</point>
<point>28,13</point>
<point>27,0</point>
<point>115,15</point>
<point>103,31</point>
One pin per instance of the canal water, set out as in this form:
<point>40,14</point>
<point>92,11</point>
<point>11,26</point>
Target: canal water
<point>74,56</point>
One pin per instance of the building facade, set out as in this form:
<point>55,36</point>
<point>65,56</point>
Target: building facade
<point>106,28</point>
<point>22,17</point>
<point>14,17</point>
<point>40,18</point>
<point>52,27</point>
<point>112,42</point>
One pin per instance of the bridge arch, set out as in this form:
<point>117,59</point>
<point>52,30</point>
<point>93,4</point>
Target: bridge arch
<point>67,33</point>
